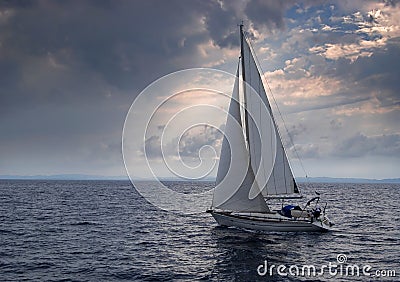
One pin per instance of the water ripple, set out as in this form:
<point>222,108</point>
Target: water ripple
<point>103,230</point>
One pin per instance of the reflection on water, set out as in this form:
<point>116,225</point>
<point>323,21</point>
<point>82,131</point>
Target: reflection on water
<point>239,253</point>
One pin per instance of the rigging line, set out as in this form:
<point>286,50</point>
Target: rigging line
<point>280,114</point>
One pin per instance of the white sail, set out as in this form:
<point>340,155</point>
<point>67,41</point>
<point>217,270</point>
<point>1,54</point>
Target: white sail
<point>268,157</point>
<point>235,176</point>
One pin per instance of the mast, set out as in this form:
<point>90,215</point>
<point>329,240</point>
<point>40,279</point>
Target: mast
<point>244,84</point>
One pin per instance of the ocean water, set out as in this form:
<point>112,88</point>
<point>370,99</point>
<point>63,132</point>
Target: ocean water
<point>105,231</point>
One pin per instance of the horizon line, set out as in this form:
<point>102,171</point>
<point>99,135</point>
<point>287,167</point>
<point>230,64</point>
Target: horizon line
<point>169,178</point>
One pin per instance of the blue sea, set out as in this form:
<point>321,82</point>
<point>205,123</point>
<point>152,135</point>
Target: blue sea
<point>105,231</point>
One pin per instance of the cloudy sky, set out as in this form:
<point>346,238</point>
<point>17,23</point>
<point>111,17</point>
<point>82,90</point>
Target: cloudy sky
<point>69,71</point>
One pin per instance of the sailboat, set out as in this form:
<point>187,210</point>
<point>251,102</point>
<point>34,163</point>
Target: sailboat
<point>254,168</point>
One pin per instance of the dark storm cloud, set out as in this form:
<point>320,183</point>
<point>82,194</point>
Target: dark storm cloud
<point>60,50</point>
<point>222,26</point>
<point>223,17</point>
<point>126,44</point>
<point>269,13</point>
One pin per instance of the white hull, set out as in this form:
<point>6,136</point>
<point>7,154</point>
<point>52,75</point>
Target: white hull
<point>268,222</point>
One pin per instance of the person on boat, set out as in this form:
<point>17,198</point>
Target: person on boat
<point>317,211</point>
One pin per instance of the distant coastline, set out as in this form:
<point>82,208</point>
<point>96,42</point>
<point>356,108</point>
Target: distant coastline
<point>346,180</point>
<point>99,177</point>
<point>62,177</point>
